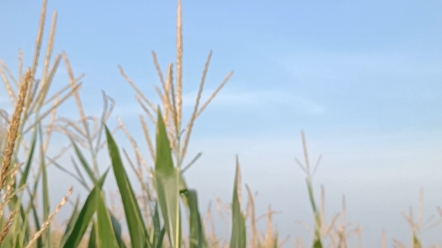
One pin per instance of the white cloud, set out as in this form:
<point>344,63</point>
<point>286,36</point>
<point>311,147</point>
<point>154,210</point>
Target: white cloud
<point>256,98</point>
<point>327,66</point>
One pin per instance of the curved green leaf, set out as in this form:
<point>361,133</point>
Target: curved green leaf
<point>85,216</point>
<point>197,239</point>
<point>117,230</point>
<point>159,244</point>
<point>70,224</point>
<point>106,235</point>
<point>137,229</point>
<point>25,173</point>
<point>167,185</point>
<point>93,237</point>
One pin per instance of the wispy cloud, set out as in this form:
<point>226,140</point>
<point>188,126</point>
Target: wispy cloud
<point>258,98</point>
<point>329,65</point>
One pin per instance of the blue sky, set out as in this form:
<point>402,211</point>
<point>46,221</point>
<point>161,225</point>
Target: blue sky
<point>363,79</point>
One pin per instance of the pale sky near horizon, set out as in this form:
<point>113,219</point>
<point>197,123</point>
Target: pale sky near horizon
<point>362,79</point>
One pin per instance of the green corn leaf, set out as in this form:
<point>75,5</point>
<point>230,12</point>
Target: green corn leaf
<point>106,235</point>
<point>93,237</point>
<point>25,173</point>
<point>37,225</point>
<point>197,239</point>
<point>416,242</point>
<point>317,243</point>
<point>156,225</point>
<point>238,236</point>
<point>70,224</point>
<point>167,185</point>
<point>317,217</point>
<point>45,188</point>
<point>159,244</point>
<point>34,212</point>
<point>168,197</point>
<point>275,242</point>
<point>117,229</point>
<point>23,229</point>
<point>85,216</point>
<point>137,229</point>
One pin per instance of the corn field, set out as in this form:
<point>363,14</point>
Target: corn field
<point>153,217</point>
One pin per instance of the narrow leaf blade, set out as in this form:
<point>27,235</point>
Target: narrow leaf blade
<point>238,236</point>
<point>167,184</point>
<point>137,229</point>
